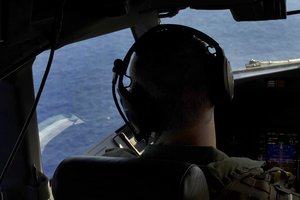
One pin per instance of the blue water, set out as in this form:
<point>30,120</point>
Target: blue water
<point>80,80</point>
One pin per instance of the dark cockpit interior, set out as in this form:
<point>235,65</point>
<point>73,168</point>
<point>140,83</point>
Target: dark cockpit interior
<point>262,121</point>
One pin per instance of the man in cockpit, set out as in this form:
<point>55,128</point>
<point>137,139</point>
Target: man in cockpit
<point>178,76</point>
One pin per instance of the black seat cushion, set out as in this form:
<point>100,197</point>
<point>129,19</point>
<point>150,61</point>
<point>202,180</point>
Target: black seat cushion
<point>93,178</point>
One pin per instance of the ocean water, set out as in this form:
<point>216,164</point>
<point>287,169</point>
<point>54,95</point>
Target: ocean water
<point>77,107</point>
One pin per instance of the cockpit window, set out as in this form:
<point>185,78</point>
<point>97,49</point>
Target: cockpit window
<point>243,41</point>
<point>76,109</point>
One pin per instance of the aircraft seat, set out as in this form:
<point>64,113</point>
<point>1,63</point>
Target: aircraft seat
<point>91,178</point>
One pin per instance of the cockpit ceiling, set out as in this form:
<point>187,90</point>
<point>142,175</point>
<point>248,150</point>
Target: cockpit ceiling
<point>26,26</point>
<point>21,20</point>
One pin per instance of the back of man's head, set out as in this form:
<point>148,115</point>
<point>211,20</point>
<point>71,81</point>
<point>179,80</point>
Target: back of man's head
<point>172,69</point>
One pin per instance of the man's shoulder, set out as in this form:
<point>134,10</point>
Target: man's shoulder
<point>244,178</point>
<point>259,186</point>
<point>230,168</point>
<point>221,173</point>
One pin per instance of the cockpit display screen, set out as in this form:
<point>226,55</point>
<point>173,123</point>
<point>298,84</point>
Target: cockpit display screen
<point>280,150</point>
<point>281,153</point>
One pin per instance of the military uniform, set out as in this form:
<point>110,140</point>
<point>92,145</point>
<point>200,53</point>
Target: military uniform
<point>219,169</point>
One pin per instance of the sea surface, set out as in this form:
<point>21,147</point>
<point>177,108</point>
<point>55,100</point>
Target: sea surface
<point>76,109</point>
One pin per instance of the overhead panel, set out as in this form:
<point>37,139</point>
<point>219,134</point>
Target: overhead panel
<point>260,10</point>
<point>219,4</point>
<point>43,11</point>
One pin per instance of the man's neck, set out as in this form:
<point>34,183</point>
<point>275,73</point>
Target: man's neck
<point>201,134</point>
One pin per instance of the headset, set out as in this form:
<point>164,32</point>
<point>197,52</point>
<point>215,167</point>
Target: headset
<point>142,112</point>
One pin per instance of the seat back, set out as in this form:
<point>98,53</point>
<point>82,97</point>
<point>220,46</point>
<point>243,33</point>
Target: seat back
<point>96,178</point>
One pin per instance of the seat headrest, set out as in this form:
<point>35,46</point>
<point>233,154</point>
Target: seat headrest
<point>88,178</point>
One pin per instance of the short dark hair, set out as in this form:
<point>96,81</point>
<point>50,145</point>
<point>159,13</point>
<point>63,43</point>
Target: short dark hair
<point>171,69</point>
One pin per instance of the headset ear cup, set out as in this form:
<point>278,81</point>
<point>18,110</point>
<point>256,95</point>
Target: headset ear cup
<point>128,104</point>
<point>145,111</point>
<point>217,79</point>
<point>229,80</point>
<point>140,110</point>
<point>224,85</point>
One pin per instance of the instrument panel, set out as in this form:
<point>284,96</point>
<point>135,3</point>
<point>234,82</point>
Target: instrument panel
<point>262,122</point>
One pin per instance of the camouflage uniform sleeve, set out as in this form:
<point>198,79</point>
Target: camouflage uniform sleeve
<point>222,173</point>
